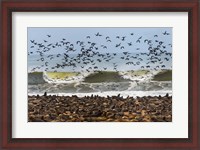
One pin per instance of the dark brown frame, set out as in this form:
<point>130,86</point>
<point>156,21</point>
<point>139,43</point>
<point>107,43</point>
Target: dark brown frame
<point>9,6</point>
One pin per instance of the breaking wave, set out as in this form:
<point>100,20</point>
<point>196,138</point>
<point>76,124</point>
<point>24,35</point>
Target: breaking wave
<point>40,82</point>
<point>36,78</point>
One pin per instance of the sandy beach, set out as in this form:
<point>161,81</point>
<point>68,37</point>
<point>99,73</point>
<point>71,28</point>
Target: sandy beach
<point>95,108</point>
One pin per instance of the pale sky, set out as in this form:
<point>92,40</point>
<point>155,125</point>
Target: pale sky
<point>73,35</point>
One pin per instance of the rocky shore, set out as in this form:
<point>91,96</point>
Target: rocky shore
<point>94,108</point>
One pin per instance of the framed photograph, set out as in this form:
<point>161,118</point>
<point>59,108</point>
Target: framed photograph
<point>100,74</point>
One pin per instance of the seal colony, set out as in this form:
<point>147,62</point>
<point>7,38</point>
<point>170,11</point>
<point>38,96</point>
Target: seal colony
<point>94,108</point>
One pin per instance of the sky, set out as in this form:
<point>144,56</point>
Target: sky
<point>73,35</point>
<point>112,40</point>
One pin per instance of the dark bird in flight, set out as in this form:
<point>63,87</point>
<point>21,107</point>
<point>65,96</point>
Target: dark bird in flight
<point>167,59</point>
<point>117,45</point>
<point>165,33</point>
<point>170,45</point>
<point>138,41</point>
<point>163,66</point>
<point>32,41</point>
<point>58,55</point>
<point>123,38</point>
<point>98,34</point>
<point>129,44</point>
<point>125,53</point>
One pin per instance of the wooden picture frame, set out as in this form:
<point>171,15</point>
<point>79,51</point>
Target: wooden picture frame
<point>9,6</point>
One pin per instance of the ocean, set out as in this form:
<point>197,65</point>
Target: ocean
<point>128,79</point>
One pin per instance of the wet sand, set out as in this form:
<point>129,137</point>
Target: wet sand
<point>52,108</point>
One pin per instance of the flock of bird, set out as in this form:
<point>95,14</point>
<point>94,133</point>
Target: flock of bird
<point>87,54</point>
